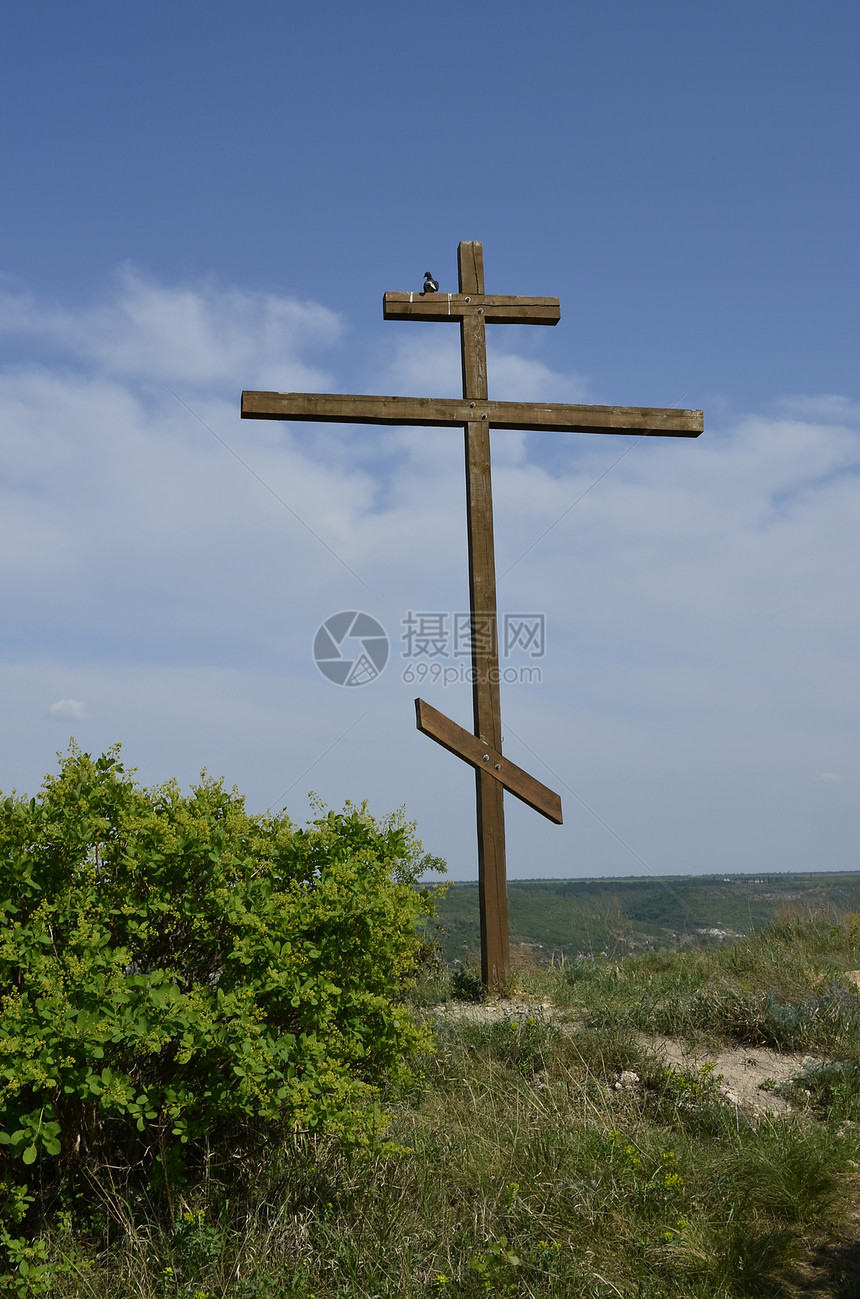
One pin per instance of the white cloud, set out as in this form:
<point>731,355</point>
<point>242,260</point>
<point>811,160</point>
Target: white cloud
<point>426,361</point>
<point>71,708</point>
<point>821,406</point>
<point>702,631</point>
<point>194,335</point>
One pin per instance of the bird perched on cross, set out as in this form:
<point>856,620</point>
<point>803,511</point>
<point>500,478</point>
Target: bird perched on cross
<point>430,285</point>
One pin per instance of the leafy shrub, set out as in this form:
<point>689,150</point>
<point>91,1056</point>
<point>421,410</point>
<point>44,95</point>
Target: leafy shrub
<point>767,1019</point>
<point>467,984</point>
<point>830,1087</point>
<point>523,1042</point>
<point>687,1004</point>
<point>174,971</point>
<point>583,969</point>
<point>688,1100</point>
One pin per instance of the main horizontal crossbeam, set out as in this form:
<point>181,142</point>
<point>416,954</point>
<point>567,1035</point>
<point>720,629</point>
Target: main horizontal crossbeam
<point>333,408</point>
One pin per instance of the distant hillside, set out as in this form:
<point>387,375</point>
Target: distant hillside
<point>554,918</point>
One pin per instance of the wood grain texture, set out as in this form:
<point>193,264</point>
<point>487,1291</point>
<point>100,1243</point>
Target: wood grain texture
<point>498,309</point>
<point>484,757</point>
<point>492,882</point>
<point>540,417</point>
<point>470,266</point>
<point>486,703</point>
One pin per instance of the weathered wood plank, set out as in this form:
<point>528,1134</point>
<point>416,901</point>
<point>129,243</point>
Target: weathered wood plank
<point>485,757</point>
<point>492,882</point>
<point>470,266</point>
<point>473,363</point>
<point>497,308</point>
<point>335,408</point>
<point>486,702</point>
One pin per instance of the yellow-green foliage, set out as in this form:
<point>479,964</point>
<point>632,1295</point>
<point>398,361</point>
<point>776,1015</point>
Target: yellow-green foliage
<point>173,970</point>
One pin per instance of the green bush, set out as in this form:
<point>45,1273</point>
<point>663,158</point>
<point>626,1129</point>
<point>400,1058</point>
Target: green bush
<point>831,1088</point>
<point>523,1042</point>
<point>467,984</point>
<point>175,972</point>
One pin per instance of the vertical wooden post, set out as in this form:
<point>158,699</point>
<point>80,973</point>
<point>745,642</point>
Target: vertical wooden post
<point>492,885</point>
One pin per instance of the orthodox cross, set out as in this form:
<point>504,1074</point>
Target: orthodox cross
<point>472,309</point>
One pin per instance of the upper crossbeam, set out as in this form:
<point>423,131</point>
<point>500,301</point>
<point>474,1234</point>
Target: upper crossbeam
<point>498,308</point>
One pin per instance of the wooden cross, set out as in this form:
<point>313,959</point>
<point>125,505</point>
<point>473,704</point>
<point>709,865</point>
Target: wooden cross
<point>472,309</point>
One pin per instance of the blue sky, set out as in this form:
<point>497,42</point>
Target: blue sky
<point>202,198</point>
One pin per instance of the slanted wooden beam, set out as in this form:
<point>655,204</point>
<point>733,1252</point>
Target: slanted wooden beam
<point>484,757</point>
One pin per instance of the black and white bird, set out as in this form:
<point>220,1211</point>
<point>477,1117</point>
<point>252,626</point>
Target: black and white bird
<point>430,285</point>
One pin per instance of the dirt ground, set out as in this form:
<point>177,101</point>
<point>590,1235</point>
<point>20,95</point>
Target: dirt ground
<point>740,1070</point>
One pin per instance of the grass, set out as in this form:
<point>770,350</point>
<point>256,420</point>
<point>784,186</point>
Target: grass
<point>785,988</point>
<point>518,1168</point>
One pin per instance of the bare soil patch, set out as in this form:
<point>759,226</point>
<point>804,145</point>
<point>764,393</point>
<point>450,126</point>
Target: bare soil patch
<point>741,1071</point>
